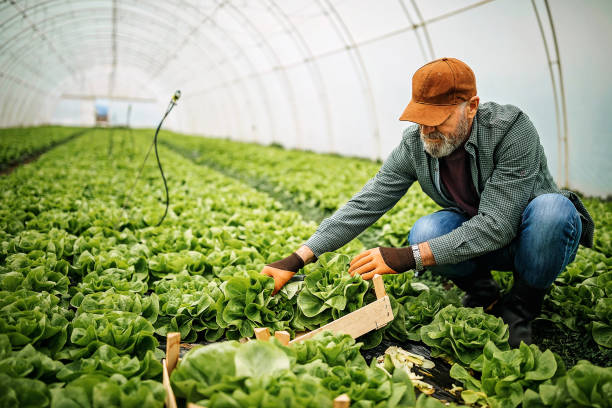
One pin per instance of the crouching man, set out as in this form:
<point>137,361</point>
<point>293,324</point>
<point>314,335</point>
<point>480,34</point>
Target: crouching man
<point>501,210</point>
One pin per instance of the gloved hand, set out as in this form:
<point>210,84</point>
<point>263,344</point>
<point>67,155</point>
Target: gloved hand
<point>381,261</point>
<point>281,271</point>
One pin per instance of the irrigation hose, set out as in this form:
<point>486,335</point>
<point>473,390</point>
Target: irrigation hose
<point>171,105</point>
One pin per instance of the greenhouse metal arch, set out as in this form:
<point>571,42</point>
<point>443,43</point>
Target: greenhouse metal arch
<point>262,203</point>
<point>301,74</point>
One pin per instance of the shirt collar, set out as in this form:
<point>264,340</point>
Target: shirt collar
<point>472,140</point>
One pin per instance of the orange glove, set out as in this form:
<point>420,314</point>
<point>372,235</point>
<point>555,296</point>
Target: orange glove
<point>281,271</point>
<point>382,261</point>
<point>280,277</point>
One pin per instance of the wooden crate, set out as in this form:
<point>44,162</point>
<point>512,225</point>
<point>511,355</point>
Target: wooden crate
<point>363,320</point>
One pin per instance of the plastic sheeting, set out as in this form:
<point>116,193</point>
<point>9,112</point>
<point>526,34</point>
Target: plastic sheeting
<point>323,75</point>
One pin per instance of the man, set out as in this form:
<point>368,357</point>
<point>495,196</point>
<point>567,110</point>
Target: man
<point>484,165</point>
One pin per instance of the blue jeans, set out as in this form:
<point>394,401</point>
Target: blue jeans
<point>547,241</point>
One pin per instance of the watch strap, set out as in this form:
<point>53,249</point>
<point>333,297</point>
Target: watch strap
<point>417,258</point>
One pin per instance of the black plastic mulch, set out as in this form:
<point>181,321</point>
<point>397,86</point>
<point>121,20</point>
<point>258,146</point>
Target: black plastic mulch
<point>438,376</point>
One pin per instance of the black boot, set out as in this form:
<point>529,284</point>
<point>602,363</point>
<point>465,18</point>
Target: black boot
<point>518,308</point>
<point>480,288</point>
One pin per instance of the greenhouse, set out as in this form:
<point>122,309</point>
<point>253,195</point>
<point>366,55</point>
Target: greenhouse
<point>328,203</point>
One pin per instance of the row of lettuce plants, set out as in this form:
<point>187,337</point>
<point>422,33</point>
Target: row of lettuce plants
<point>19,143</point>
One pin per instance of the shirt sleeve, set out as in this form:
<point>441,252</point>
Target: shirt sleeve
<point>502,202</point>
<point>377,197</point>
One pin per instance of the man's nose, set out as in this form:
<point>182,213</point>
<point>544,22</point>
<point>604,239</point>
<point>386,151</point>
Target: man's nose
<point>428,129</point>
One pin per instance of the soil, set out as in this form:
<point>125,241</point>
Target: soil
<point>571,346</point>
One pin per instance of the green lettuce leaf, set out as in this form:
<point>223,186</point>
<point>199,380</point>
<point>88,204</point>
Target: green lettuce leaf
<point>27,362</point>
<point>584,385</point>
<point>95,390</point>
<point>462,333</point>
<point>105,360</point>
<point>23,392</point>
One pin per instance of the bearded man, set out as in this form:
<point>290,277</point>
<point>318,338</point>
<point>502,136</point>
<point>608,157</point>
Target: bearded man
<point>501,210</point>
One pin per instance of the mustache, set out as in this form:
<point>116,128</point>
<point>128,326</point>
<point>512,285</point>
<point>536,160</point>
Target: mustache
<point>433,136</point>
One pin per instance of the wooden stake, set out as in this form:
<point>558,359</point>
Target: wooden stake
<point>342,401</point>
<point>173,343</point>
<point>262,333</point>
<point>379,286</point>
<point>170,399</point>
<point>283,337</point>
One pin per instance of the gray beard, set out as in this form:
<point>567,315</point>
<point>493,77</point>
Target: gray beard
<point>449,143</point>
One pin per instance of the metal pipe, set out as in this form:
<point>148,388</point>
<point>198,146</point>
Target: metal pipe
<point>562,92</point>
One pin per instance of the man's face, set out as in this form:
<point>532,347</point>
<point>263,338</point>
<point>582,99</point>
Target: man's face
<point>442,140</point>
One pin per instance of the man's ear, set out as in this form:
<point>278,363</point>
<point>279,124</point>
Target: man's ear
<point>472,107</point>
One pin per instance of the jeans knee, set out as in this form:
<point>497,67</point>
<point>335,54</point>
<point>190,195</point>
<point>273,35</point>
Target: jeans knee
<point>434,225</point>
<point>553,212</point>
<point>423,230</point>
<point>549,238</point>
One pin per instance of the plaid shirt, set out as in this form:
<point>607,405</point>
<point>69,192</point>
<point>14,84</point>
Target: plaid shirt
<point>508,169</point>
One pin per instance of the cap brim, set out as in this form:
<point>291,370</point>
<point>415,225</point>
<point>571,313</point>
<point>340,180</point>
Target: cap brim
<point>428,115</point>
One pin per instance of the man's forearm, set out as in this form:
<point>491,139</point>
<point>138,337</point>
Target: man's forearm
<point>306,254</point>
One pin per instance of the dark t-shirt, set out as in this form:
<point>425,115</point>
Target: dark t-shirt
<point>457,180</point>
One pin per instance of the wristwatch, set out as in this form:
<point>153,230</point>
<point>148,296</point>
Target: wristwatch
<point>417,259</point>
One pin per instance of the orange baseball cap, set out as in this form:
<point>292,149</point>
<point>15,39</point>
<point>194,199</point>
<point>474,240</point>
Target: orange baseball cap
<point>437,88</point>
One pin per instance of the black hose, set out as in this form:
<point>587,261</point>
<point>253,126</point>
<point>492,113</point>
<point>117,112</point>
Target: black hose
<point>161,170</point>
<point>110,142</point>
